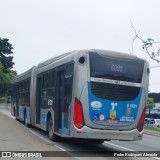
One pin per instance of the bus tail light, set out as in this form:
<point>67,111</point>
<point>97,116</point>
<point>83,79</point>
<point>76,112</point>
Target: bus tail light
<point>141,121</point>
<point>78,114</point>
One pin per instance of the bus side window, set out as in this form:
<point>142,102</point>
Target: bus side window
<point>51,88</point>
<point>69,71</point>
<point>68,82</point>
<point>44,91</point>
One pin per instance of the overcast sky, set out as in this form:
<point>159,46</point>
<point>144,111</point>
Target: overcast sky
<point>40,29</point>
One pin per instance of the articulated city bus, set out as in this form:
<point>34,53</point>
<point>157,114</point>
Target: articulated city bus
<point>94,95</point>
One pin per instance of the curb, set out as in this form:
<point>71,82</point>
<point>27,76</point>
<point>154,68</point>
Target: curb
<point>152,133</point>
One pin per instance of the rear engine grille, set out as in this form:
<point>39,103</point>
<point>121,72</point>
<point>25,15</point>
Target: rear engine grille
<point>114,92</point>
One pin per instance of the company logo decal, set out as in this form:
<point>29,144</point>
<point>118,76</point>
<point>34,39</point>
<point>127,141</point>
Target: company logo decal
<point>128,112</point>
<point>96,104</point>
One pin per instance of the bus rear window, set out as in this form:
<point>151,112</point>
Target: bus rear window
<point>116,69</point>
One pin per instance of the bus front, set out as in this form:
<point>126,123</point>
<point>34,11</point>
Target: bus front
<point>117,92</point>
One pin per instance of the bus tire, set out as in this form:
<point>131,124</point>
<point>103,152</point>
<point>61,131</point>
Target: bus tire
<point>96,141</point>
<point>16,115</point>
<point>51,134</point>
<point>14,111</point>
<point>26,120</point>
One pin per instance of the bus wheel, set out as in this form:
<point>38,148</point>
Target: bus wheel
<point>96,141</point>
<point>26,120</point>
<point>14,111</point>
<point>51,134</point>
<point>16,114</point>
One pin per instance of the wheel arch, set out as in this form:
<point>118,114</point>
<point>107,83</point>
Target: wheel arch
<point>49,115</point>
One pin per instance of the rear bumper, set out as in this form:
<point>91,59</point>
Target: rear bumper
<point>90,133</point>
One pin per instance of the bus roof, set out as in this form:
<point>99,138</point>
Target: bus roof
<point>24,75</point>
<point>113,54</point>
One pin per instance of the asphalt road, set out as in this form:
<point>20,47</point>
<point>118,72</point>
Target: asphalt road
<point>14,136</point>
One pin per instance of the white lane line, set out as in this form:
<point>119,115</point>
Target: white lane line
<point>50,142</point>
<point>33,132</point>
<point>118,146</point>
<point>60,148</point>
<point>66,151</point>
<point>157,158</point>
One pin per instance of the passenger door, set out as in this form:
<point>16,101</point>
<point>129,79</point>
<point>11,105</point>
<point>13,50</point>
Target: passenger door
<point>59,100</point>
<point>66,112</point>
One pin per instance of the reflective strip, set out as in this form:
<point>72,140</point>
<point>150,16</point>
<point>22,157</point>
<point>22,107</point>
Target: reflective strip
<point>111,81</point>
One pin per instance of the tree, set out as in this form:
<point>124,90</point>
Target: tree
<point>5,52</point>
<point>6,79</point>
<point>6,64</point>
<point>146,45</point>
<point>150,104</point>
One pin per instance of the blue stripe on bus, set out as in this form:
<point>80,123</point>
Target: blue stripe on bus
<point>43,119</point>
<point>21,111</point>
<point>65,130</point>
<point>29,116</point>
<point>125,112</point>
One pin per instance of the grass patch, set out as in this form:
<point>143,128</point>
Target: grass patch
<point>152,129</point>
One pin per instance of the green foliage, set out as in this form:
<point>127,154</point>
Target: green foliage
<point>6,64</point>
<point>6,79</point>
<point>150,103</point>
<point>5,52</point>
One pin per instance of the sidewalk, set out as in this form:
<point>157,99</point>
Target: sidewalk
<point>18,141</point>
<point>150,132</point>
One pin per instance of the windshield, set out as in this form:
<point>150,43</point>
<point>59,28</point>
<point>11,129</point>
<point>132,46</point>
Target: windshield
<point>116,69</point>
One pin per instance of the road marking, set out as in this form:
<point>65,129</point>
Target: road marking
<point>38,135</point>
<point>60,148</point>
<point>157,158</point>
<point>119,146</point>
<point>50,142</point>
<point>66,151</point>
